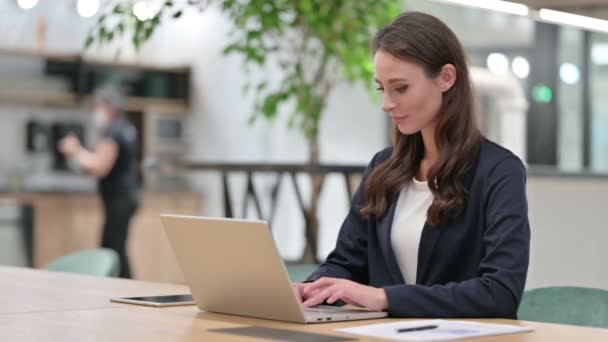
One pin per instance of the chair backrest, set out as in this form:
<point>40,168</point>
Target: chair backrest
<point>566,305</point>
<point>99,262</point>
<point>299,272</point>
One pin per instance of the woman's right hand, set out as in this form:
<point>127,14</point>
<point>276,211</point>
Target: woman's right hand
<point>298,288</point>
<point>69,145</point>
<point>330,290</point>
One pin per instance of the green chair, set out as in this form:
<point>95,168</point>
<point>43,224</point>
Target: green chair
<point>299,272</point>
<point>99,262</point>
<point>566,305</point>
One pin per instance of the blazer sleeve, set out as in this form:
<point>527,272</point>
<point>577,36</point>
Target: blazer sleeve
<point>348,260</point>
<point>498,289</point>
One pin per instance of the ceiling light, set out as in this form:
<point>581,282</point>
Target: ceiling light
<point>498,63</point>
<point>569,73</point>
<point>142,11</point>
<point>87,8</point>
<point>520,67</point>
<point>573,20</point>
<point>495,5</point>
<point>27,4</point>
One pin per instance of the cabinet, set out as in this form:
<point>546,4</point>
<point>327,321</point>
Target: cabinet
<point>69,80</point>
<point>65,222</point>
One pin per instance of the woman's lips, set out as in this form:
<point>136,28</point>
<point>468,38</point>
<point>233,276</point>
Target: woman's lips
<point>398,119</point>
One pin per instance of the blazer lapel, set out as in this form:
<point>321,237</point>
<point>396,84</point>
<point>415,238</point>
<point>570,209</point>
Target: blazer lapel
<point>428,239</point>
<point>431,234</point>
<point>384,237</point>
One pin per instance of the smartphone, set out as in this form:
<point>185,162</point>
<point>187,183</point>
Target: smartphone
<point>171,300</point>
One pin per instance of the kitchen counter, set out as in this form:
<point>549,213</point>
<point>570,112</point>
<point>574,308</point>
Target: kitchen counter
<point>69,220</point>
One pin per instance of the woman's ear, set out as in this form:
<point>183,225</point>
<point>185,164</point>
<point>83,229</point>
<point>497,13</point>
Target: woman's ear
<point>446,77</point>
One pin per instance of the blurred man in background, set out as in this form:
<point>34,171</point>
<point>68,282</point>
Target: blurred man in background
<point>113,162</point>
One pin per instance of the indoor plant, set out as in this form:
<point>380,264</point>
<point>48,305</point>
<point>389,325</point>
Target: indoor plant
<point>315,43</point>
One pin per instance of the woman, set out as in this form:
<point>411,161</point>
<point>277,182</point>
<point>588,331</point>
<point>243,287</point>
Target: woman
<point>439,225</point>
<point>113,163</point>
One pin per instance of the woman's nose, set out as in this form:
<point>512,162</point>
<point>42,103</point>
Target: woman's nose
<point>387,104</point>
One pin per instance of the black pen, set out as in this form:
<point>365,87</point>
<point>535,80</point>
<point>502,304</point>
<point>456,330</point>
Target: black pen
<point>424,327</point>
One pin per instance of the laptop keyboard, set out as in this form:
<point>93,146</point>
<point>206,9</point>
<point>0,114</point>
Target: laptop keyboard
<point>332,309</point>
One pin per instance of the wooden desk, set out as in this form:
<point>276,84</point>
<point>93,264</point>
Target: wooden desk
<point>88,316</point>
<point>28,291</point>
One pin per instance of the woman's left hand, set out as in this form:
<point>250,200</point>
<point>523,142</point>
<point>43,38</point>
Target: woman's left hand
<point>332,289</point>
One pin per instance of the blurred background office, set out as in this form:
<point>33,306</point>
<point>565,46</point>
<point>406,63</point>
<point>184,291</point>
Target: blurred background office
<point>540,74</point>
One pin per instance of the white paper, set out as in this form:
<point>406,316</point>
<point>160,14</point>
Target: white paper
<point>445,331</point>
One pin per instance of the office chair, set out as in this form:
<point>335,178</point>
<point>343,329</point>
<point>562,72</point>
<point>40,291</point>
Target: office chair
<point>99,261</point>
<point>566,305</point>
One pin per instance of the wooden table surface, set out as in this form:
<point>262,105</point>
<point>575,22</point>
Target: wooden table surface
<point>25,290</point>
<point>44,306</point>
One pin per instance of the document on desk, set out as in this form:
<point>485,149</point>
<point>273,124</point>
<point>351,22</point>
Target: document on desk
<point>433,330</point>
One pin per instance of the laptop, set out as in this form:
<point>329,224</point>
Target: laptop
<point>233,267</point>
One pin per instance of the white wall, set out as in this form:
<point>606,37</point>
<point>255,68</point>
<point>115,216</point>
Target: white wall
<point>569,224</point>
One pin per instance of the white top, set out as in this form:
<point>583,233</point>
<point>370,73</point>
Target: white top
<point>410,216</point>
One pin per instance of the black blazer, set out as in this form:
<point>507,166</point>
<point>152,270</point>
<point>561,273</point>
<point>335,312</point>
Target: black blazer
<point>473,266</point>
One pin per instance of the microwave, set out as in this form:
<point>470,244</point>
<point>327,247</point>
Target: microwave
<point>166,136</point>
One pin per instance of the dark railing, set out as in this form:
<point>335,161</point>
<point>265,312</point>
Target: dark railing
<point>292,170</point>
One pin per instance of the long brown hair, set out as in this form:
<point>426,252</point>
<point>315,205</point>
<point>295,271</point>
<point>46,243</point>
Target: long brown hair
<point>425,40</point>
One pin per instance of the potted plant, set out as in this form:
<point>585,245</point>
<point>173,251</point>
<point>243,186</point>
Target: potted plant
<point>316,44</point>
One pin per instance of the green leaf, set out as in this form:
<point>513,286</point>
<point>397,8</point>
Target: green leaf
<point>262,86</point>
<point>148,33</point>
<point>118,9</point>
<point>306,7</point>
<point>101,34</point>
<point>228,4</point>
<point>139,26</point>
<point>89,41</point>
<point>271,103</point>
<point>136,42</point>
<point>177,14</point>
<point>251,35</point>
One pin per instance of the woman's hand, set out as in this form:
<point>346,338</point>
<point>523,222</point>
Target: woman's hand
<point>70,145</point>
<point>332,289</point>
<point>298,288</point>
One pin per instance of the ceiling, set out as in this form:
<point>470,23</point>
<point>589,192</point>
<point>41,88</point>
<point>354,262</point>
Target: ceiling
<point>592,8</point>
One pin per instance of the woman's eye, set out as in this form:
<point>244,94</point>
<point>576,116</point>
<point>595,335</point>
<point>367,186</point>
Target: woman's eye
<point>401,89</point>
